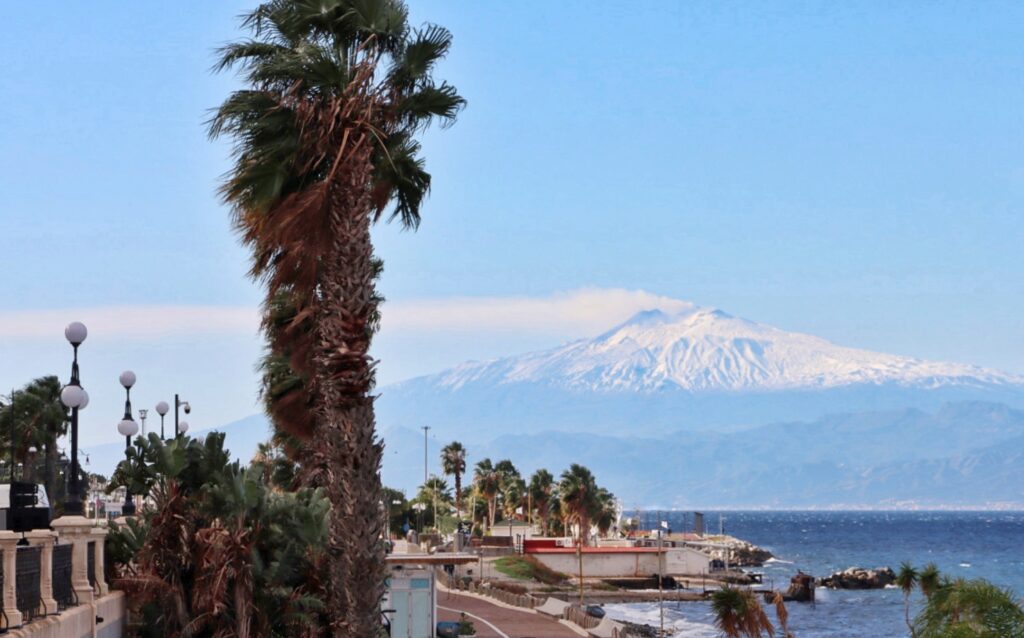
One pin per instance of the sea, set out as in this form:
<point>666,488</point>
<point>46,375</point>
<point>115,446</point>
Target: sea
<point>987,545</point>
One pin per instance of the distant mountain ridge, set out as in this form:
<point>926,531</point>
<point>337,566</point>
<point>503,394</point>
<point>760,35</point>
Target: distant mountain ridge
<point>697,368</point>
<point>707,350</point>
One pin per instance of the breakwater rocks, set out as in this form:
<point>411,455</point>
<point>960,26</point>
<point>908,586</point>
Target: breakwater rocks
<point>746,554</point>
<point>860,578</point>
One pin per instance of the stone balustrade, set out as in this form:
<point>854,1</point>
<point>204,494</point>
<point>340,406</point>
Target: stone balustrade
<point>46,599</point>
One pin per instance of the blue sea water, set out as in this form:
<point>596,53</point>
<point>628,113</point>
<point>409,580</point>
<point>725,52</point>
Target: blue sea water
<point>986,545</point>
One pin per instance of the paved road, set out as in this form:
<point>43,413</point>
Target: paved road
<point>501,622</point>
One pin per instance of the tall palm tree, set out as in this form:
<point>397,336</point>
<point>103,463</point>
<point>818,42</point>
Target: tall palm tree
<point>453,463</point>
<point>929,579</point>
<point>738,614</point>
<point>542,487</point>
<point>907,579</point>
<point>487,482</point>
<point>580,501</point>
<point>325,142</point>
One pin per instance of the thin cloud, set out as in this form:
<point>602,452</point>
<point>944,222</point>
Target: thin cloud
<point>577,312</point>
<point>132,322</point>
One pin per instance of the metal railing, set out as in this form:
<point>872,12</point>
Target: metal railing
<point>29,598</point>
<point>91,563</point>
<point>63,592</point>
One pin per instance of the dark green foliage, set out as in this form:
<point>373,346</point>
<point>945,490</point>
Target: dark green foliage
<point>223,552</point>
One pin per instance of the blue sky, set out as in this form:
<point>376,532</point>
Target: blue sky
<point>850,170</point>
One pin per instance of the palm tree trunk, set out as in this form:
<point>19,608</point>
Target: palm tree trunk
<point>346,450</point>
<point>458,496</point>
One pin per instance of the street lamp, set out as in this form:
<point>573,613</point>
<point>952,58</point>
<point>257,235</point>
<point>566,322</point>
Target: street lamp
<point>180,428</point>
<point>128,428</point>
<point>162,409</point>
<point>74,397</point>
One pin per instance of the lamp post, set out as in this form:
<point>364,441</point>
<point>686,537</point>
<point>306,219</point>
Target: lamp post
<point>180,428</point>
<point>162,409</point>
<point>142,417</point>
<point>128,428</point>
<point>74,397</point>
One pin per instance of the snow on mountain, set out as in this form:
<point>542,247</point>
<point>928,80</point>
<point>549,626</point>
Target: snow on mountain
<point>706,350</point>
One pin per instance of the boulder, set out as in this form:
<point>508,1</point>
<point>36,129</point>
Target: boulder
<point>801,588</point>
<point>860,578</point>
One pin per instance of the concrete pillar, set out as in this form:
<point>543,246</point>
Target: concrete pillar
<point>77,530</point>
<point>9,547</point>
<point>99,534</point>
<point>43,538</point>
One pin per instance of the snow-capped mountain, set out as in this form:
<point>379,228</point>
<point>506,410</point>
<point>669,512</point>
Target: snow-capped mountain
<point>704,350</point>
<point>671,407</point>
<point>696,368</point>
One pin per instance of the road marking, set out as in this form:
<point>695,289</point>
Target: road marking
<point>474,616</point>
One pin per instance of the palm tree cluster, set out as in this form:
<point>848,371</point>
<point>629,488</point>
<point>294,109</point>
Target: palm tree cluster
<point>226,550</point>
<point>574,504</point>
<point>326,144</point>
<point>958,607</point>
<point>36,418</point>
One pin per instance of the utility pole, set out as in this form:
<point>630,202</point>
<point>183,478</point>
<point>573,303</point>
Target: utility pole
<point>426,428</point>
<point>661,578</point>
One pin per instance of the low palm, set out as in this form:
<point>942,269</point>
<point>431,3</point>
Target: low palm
<point>970,608</point>
<point>738,614</point>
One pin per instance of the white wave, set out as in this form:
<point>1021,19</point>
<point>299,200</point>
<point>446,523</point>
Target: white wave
<point>649,614</point>
<point>779,560</point>
<point>965,564</point>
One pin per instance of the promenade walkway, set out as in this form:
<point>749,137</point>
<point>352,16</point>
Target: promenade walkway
<point>494,621</point>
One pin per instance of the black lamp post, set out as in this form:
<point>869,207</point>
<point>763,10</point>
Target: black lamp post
<point>74,397</point>
<point>128,428</point>
<point>180,427</point>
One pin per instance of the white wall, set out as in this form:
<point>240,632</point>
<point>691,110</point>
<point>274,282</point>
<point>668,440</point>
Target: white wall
<point>678,561</point>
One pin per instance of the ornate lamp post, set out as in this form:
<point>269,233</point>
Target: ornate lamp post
<point>74,397</point>
<point>162,409</point>
<point>128,428</point>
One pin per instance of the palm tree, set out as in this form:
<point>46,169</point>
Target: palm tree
<point>607,512</point>
<point>970,608</point>
<point>453,463</point>
<point>579,494</point>
<point>541,489</point>
<point>325,142</point>
<point>907,579</point>
<point>738,614</point>
<point>929,579</point>
<point>39,419</point>
<point>487,482</point>
<point>782,614</point>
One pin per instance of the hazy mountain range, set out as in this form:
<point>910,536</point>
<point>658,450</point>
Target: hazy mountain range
<point>701,409</point>
<point>670,409</point>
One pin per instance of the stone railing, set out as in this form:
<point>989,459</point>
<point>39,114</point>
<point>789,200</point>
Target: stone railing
<point>53,584</point>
